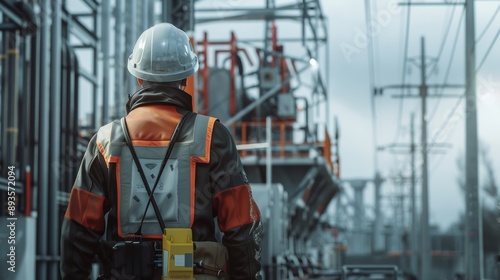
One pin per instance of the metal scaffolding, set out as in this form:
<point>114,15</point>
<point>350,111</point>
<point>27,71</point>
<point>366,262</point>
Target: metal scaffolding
<point>64,58</point>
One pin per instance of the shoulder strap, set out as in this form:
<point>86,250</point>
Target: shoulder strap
<point>150,192</point>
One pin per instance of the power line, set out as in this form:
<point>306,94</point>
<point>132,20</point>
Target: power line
<point>488,25</point>
<point>456,106</point>
<point>441,49</point>
<point>443,42</point>
<point>489,49</point>
<point>405,56</point>
<point>460,99</point>
<point>450,62</point>
<point>371,71</point>
<point>376,48</point>
<point>452,112</point>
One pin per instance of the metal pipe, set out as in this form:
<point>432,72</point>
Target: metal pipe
<point>269,151</point>
<point>34,114</point>
<point>75,108</point>
<point>119,60</point>
<point>327,68</point>
<point>24,127</point>
<point>152,15</point>
<point>95,68</point>
<point>11,98</point>
<point>65,112</point>
<point>191,16</point>
<point>71,134</point>
<point>4,98</point>
<point>251,146</point>
<point>232,90</point>
<point>55,138</point>
<point>22,91</point>
<point>245,17</point>
<point>270,93</point>
<point>291,7</point>
<point>106,14</point>
<point>43,164</point>
<point>144,6</point>
<point>130,32</point>
<point>167,11</point>
<point>27,192</point>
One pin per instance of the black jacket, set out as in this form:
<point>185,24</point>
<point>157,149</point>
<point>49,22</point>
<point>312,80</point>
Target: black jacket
<point>222,189</point>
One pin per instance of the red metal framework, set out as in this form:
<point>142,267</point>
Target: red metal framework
<point>274,58</point>
<point>233,50</point>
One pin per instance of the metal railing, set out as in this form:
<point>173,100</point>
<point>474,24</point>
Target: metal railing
<point>283,145</point>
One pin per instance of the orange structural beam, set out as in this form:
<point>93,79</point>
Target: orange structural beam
<point>244,137</point>
<point>327,150</point>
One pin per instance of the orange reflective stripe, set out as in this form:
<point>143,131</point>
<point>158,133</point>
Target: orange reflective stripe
<point>86,209</point>
<point>236,207</point>
<point>208,142</point>
<point>103,153</point>
<point>147,143</point>
<point>202,159</point>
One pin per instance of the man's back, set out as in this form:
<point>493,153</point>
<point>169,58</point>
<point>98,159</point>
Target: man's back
<point>210,183</point>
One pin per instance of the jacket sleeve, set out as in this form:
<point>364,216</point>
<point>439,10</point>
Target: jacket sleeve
<point>237,213</point>
<point>83,223</point>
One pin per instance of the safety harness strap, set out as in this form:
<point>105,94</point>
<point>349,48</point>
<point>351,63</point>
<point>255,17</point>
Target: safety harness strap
<point>150,192</point>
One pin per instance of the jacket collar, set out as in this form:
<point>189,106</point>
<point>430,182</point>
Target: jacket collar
<point>159,95</point>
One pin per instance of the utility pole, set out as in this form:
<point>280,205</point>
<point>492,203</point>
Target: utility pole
<point>379,219</point>
<point>473,218</point>
<point>425,245</point>
<point>412,146</point>
<point>414,227</point>
<point>426,242</point>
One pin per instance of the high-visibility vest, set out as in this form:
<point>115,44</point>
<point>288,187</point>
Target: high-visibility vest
<point>175,192</point>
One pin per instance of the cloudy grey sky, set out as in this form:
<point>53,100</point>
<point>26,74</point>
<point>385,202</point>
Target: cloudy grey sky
<point>351,97</point>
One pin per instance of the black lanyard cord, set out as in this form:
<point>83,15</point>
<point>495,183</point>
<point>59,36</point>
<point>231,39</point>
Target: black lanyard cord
<point>150,192</point>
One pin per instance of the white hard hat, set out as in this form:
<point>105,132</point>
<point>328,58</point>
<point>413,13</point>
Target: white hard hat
<point>163,53</point>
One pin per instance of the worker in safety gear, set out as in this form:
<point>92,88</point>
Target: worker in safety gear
<point>203,179</point>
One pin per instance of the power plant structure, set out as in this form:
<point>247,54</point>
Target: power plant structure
<point>264,73</point>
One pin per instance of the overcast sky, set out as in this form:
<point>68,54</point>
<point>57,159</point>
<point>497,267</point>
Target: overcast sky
<point>351,96</point>
<point>349,89</point>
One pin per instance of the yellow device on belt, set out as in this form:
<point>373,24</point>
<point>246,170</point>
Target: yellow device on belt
<point>177,253</point>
